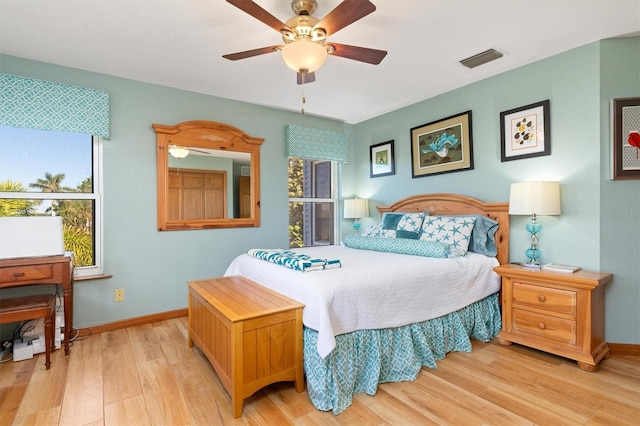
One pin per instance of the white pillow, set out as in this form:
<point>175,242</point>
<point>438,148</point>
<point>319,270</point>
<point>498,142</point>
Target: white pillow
<point>455,231</point>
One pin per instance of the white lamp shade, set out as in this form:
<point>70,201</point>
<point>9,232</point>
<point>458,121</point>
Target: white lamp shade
<point>177,151</point>
<point>304,55</point>
<point>356,209</point>
<point>541,198</point>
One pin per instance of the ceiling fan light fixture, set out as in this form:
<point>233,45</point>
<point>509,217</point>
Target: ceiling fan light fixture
<point>288,36</point>
<point>304,55</point>
<point>177,151</point>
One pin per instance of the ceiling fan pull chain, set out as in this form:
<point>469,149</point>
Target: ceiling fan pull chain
<point>304,100</point>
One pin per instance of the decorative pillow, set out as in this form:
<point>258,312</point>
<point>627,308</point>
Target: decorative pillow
<point>453,230</point>
<point>401,225</point>
<point>483,240</point>
<point>372,231</point>
<point>398,245</point>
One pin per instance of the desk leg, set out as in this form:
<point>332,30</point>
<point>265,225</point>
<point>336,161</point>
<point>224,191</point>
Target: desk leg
<point>68,309</point>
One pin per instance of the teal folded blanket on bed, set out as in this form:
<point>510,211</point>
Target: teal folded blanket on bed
<point>293,260</point>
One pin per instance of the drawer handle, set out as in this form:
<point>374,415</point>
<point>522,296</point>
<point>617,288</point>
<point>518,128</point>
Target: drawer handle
<point>18,274</point>
<point>541,298</point>
<point>541,326</point>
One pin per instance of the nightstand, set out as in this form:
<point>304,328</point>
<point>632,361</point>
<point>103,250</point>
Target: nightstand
<point>556,312</point>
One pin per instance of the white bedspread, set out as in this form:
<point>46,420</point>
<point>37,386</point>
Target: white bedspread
<point>373,289</point>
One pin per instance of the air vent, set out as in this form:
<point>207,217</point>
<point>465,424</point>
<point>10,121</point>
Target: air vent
<point>481,58</point>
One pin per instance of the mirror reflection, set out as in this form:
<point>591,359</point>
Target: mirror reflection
<point>208,176</point>
<point>209,184</point>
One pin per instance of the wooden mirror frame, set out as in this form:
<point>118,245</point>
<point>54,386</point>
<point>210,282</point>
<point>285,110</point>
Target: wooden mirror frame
<point>211,135</point>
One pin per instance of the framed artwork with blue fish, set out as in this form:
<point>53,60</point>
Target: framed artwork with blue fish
<point>525,132</point>
<point>442,146</point>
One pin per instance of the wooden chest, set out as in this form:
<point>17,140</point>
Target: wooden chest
<point>251,335</point>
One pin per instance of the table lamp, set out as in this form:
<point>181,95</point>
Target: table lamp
<point>534,198</point>
<point>356,209</point>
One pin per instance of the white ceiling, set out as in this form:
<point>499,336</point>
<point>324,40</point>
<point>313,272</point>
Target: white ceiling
<point>180,43</point>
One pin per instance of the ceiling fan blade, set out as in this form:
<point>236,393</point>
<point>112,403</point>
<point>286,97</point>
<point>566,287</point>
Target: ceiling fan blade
<point>362,54</point>
<point>260,14</point>
<point>347,12</point>
<point>250,53</point>
<point>309,77</point>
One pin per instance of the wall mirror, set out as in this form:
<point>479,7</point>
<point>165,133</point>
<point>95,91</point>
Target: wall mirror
<point>208,176</point>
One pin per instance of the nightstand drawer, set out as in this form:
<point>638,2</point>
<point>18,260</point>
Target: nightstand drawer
<point>553,328</point>
<point>548,299</point>
<point>14,274</point>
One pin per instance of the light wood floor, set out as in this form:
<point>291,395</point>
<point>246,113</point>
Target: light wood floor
<point>147,375</point>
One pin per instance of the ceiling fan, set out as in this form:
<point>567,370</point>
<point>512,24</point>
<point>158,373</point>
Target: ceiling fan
<point>305,37</point>
<point>179,151</point>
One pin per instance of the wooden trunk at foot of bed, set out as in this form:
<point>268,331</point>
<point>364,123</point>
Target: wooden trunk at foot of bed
<point>251,335</point>
<point>453,204</point>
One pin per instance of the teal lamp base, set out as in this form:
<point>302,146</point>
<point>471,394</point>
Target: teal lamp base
<point>356,226</point>
<point>533,253</point>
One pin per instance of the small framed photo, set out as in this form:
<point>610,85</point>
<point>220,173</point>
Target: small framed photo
<point>626,138</point>
<point>442,146</point>
<point>382,159</point>
<point>525,132</point>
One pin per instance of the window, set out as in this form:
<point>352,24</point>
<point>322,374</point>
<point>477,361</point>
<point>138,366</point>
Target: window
<point>58,174</point>
<point>312,202</point>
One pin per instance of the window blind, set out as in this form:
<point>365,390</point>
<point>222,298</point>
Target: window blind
<point>316,144</point>
<point>45,105</point>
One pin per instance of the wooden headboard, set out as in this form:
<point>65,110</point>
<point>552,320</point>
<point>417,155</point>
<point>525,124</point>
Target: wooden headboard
<point>449,204</point>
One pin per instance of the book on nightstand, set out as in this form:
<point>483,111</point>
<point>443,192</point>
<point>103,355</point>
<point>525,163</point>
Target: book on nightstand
<point>556,267</point>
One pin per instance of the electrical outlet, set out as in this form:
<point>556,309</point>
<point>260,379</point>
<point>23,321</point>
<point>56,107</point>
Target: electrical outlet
<point>119,297</point>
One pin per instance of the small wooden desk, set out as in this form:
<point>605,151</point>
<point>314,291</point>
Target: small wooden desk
<point>43,270</point>
<point>251,335</point>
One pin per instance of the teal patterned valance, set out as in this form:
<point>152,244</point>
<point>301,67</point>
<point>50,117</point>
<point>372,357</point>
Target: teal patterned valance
<point>316,144</point>
<point>44,105</point>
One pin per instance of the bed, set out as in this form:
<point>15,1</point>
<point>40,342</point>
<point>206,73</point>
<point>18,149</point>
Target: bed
<point>383,314</point>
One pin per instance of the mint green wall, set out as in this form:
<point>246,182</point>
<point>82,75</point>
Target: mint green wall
<point>574,136</point>
<point>572,82</point>
<point>153,267</point>
<point>619,200</point>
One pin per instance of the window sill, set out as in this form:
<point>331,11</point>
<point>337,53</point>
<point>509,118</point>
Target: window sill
<point>92,278</point>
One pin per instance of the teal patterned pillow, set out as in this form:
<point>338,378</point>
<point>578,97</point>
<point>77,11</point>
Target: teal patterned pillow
<point>372,231</point>
<point>453,230</point>
<point>401,225</point>
<point>398,245</point>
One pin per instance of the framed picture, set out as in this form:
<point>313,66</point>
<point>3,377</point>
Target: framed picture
<point>382,159</point>
<point>442,146</point>
<point>525,132</point>
<point>626,138</point>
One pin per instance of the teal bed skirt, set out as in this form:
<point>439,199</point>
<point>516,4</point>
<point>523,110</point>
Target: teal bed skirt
<point>364,358</point>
